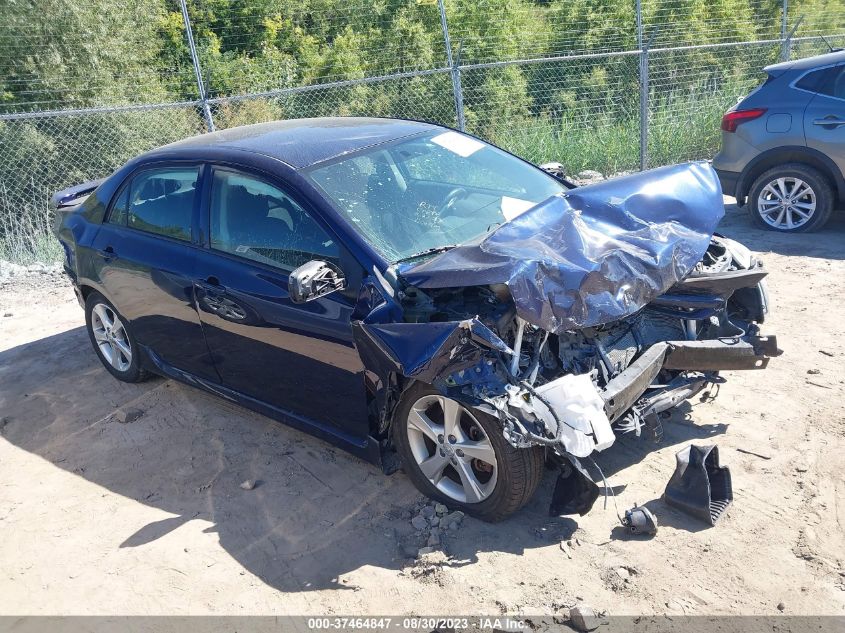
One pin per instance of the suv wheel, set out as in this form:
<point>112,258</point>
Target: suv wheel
<point>791,198</point>
<point>459,457</point>
<point>112,339</point>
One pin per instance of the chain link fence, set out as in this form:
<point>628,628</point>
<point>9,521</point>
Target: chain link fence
<point>616,85</point>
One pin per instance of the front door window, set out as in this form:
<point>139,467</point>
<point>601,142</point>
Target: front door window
<point>257,221</point>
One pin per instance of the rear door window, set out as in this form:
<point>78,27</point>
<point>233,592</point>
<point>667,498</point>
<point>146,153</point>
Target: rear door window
<point>160,201</point>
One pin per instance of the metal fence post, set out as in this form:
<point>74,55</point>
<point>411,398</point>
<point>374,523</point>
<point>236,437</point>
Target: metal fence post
<point>785,47</point>
<point>209,122</point>
<point>454,65</point>
<point>643,88</point>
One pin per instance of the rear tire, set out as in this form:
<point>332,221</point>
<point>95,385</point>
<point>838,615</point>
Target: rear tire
<point>112,339</point>
<point>498,489</point>
<point>791,198</point>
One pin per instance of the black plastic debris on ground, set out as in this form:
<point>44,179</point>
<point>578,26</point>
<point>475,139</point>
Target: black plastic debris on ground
<point>699,486</point>
<point>640,521</point>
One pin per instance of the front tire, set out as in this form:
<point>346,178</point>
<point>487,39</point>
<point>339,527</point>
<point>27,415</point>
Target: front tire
<point>791,198</point>
<point>458,456</point>
<point>112,339</point>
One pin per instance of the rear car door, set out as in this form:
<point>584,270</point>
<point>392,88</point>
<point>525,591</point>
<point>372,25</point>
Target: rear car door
<point>145,251</point>
<point>297,358</point>
<point>824,117</point>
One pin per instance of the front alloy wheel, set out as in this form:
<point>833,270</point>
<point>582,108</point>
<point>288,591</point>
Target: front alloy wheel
<point>111,337</point>
<point>451,449</point>
<point>457,455</point>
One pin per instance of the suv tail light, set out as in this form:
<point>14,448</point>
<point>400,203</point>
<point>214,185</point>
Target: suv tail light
<point>733,118</point>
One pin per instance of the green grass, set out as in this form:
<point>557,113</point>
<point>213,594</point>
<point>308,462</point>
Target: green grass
<point>26,236</point>
<point>35,249</point>
<point>609,147</point>
<point>682,126</point>
<point>687,126</point>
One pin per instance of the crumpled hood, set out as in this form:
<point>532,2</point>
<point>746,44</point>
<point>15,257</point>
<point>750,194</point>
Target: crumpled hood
<point>592,255</point>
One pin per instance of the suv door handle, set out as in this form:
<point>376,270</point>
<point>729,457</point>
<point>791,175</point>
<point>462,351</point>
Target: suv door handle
<point>832,122</point>
<point>107,253</point>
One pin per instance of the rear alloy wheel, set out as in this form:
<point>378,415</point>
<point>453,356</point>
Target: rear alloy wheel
<point>111,337</point>
<point>791,198</point>
<point>112,340</point>
<point>458,455</point>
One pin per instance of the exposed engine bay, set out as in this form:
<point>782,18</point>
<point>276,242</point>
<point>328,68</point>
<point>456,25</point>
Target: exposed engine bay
<point>607,314</point>
<point>515,382</point>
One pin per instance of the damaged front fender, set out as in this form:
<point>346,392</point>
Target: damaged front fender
<point>464,361</point>
<point>430,352</point>
<point>438,354</point>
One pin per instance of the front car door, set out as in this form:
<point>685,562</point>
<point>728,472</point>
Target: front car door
<point>297,358</point>
<point>144,261</point>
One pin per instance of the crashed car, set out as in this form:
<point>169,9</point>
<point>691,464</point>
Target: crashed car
<point>417,296</point>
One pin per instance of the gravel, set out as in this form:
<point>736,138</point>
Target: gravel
<point>453,517</point>
<point>432,522</point>
<point>128,415</point>
<point>419,523</point>
<point>584,618</point>
<point>9,270</point>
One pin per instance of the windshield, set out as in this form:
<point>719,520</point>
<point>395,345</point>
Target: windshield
<point>431,191</point>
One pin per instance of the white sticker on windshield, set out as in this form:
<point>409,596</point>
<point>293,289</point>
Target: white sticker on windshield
<point>512,207</point>
<point>459,144</point>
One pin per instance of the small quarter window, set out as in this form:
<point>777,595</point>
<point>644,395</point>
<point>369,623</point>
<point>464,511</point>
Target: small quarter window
<point>825,81</point>
<point>119,209</point>
<point>812,81</point>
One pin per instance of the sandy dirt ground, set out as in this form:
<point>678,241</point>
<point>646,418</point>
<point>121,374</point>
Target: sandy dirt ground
<point>148,517</point>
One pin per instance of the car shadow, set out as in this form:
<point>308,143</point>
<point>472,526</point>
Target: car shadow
<point>314,513</point>
<point>826,243</point>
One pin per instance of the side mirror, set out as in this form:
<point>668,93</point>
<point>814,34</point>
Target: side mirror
<point>313,280</point>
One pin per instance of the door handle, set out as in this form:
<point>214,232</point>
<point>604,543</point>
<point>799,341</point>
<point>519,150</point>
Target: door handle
<point>107,253</point>
<point>832,121</point>
<point>211,284</point>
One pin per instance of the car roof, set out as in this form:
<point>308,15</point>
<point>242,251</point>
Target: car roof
<point>303,142</point>
<point>816,61</point>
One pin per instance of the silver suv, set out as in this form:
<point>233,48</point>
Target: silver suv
<point>783,146</point>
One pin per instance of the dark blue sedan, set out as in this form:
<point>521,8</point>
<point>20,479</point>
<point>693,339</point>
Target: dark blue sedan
<point>416,296</point>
